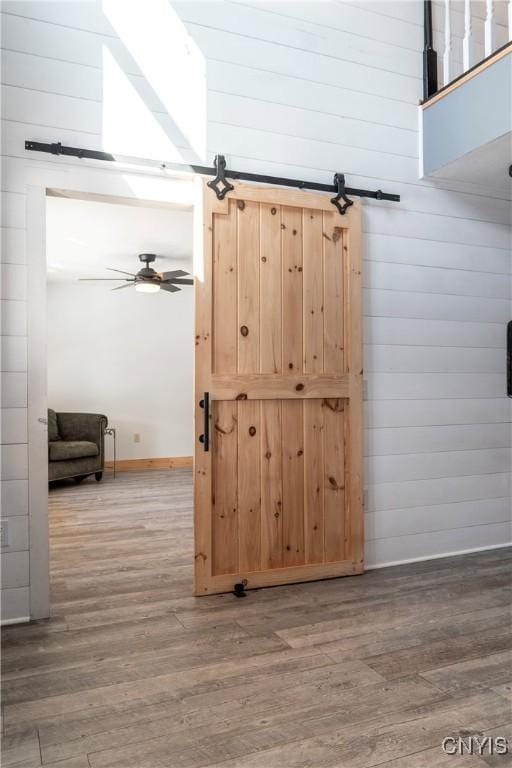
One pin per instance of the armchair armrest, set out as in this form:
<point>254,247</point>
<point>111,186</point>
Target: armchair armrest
<point>82,426</point>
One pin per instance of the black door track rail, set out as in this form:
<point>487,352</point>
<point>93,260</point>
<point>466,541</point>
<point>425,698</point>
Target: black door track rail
<point>220,184</point>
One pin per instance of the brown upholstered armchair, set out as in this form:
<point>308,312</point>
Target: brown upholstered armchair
<point>75,445</point>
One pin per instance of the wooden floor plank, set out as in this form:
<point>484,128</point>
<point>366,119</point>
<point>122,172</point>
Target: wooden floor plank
<point>132,671</point>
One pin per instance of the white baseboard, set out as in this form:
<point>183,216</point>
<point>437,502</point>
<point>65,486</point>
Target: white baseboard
<point>9,622</point>
<point>437,557</point>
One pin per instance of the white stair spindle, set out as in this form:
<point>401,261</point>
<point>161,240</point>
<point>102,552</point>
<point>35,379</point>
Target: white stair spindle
<point>490,28</point>
<point>467,43</point>
<point>447,55</point>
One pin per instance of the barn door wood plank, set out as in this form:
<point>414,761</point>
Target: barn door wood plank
<point>271,485</point>
<point>292,304</point>
<point>248,286</point>
<point>314,481</point>
<point>292,410</point>
<point>334,480</point>
<point>225,523</point>
<point>271,349</point>
<point>334,320</point>
<point>313,290</point>
<point>224,448</point>
<point>270,289</point>
<point>225,318</point>
<point>249,505</point>
<point>293,482</point>
<point>313,319</point>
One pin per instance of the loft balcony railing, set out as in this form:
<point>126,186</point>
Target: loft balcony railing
<point>467,33</point>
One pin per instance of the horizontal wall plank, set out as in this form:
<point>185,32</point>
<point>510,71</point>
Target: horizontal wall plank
<point>13,281</point>
<point>14,317</point>
<point>13,210</point>
<point>410,359</point>
<point>17,534</point>
<point>251,20</point>
<point>435,544</point>
<point>410,413</point>
<point>13,240</point>
<point>427,386</point>
<point>407,277</point>
<point>14,426</point>
<point>355,19</point>
<point>416,493</point>
<point>245,112</point>
<point>330,98</point>
<point>15,570</point>
<point>15,604</point>
<point>331,69</point>
<point>407,522</point>
<point>421,466</point>
<point>384,303</point>
<point>389,220</point>
<point>14,389</point>
<point>433,333</point>
<point>14,462</point>
<point>14,496</point>
<point>385,441</point>
<point>14,353</point>
<point>456,256</point>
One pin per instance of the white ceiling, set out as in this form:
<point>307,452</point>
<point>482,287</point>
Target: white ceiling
<point>84,237</point>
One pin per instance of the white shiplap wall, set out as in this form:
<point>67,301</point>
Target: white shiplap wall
<point>301,90</point>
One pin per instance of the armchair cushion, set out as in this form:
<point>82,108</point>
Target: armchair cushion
<point>64,450</point>
<point>53,428</point>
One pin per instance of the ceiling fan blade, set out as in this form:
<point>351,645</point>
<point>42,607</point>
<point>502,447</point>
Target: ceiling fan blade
<point>121,271</point>
<point>115,279</point>
<point>169,287</point>
<point>179,281</point>
<point>174,273</point>
<point>129,284</point>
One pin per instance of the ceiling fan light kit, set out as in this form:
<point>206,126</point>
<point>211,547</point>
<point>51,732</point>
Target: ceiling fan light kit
<point>146,287</point>
<point>148,280</point>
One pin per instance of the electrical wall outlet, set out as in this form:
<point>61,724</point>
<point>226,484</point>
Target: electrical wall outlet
<point>136,437</point>
<point>4,535</point>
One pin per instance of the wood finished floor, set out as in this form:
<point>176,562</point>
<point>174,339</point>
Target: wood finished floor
<point>133,672</point>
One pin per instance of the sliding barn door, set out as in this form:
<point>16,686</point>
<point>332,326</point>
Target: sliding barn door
<point>278,462</point>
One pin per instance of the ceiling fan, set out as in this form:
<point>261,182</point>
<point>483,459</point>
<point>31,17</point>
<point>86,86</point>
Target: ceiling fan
<point>148,280</point>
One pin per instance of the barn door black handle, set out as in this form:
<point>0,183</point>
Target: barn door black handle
<point>205,437</point>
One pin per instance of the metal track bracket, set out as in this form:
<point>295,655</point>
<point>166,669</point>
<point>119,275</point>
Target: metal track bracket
<point>219,184</point>
<point>339,182</point>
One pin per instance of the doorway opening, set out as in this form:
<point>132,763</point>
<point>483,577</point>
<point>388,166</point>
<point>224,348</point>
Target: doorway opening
<point>120,403</point>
